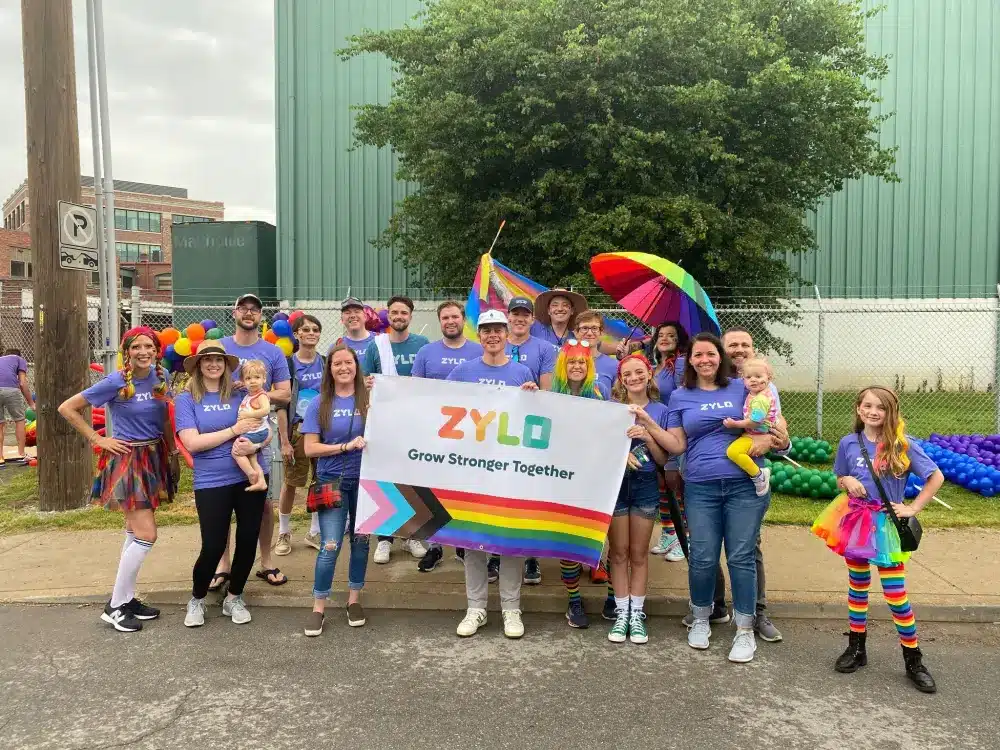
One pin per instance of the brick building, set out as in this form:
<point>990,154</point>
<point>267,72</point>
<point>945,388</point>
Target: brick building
<point>144,217</point>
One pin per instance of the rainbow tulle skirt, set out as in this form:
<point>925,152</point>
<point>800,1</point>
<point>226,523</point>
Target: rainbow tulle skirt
<point>859,529</point>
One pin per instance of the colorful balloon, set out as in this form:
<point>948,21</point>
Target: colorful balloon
<point>214,334</point>
<point>279,316</point>
<point>270,336</point>
<point>282,328</point>
<point>208,324</point>
<point>286,345</point>
<point>195,332</point>
<point>295,316</point>
<point>183,347</point>
<point>169,336</point>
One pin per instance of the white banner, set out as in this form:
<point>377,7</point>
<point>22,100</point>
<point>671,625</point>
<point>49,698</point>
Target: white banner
<point>492,468</point>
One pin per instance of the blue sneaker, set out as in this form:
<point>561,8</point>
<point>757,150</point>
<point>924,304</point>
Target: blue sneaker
<point>575,615</point>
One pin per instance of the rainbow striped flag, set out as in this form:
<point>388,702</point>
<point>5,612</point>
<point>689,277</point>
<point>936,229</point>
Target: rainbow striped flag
<point>499,525</point>
<point>495,286</point>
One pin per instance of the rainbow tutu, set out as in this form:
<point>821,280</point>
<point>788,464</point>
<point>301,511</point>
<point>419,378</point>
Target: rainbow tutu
<point>859,529</point>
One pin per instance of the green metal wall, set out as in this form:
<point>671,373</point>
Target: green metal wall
<point>935,234</point>
<point>333,201</point>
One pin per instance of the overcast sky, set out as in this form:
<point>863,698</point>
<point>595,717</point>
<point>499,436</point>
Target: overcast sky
<point>191,93</point>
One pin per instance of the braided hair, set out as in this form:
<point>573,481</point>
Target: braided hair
<point>128,390</point>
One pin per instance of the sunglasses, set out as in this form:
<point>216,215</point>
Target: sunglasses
<point>576,342</point>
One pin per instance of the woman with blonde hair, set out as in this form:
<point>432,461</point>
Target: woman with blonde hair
<point>862,525</point>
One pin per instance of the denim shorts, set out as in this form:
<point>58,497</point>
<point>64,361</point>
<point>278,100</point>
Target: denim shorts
<point>639,495</point>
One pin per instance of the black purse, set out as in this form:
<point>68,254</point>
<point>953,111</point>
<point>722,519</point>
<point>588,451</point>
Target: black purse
<point>909,529</point>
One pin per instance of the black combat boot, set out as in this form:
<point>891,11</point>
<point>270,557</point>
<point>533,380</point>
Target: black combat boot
<point>917,672</point>
<point>855,656</point>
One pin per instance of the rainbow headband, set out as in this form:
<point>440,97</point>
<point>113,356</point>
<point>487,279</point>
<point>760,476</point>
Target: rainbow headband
<point>130,335</point>
<point>635,355</point>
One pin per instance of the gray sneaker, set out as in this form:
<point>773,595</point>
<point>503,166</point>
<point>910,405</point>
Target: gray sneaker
<point>237,609</point>
<point>195,616</point>
<point>765,628</point>
<point>314,624</point>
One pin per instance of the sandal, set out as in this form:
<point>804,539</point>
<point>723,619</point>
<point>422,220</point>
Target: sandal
<point>222,579</point>
<point>267,575</point>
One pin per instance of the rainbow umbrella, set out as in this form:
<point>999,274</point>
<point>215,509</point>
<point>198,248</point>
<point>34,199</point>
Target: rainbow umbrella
<point>655,290</point>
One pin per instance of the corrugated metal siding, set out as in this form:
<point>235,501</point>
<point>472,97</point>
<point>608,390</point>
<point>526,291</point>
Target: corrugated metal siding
<point>333,201</point>
<point>936,233</point>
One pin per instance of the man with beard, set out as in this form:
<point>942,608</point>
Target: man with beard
<point>436,361</point>
<point>356,337</point>
<point>394,353</point>
<point>246,344</point>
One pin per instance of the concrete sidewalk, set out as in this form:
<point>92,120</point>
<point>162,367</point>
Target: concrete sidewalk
<point>954,577</point>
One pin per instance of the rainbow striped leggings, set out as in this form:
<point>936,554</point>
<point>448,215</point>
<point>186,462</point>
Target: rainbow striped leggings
<point>894,589</point>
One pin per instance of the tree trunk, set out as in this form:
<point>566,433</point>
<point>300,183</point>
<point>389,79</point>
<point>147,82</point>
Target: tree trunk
<point>65,466</point>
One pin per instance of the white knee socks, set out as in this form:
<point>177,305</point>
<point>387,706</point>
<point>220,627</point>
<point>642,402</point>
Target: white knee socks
<point>314,524</point>
<point>128,572</point>
<point>284,523</point>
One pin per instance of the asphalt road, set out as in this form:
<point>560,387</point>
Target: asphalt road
<point>406,681</point>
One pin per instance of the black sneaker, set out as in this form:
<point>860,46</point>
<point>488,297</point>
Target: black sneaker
<point>532,573</point>
<point>140,611</point>
<point>493,569</point>
<point>121,617</point>
<point>610,609</point>
<point>719,616</point>
<point>430,561</point>
<point>575,615</point>
<point>460,554</point>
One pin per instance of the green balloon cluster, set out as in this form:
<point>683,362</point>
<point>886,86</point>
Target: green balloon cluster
<point>29,415</point>
<point>810,450</point>
<point>789,480</point>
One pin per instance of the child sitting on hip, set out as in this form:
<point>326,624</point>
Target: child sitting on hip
<point>256,405</point>
<point>760,413</point>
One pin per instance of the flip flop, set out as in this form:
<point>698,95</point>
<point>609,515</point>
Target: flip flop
<point>222,578</point>
<point>265,575</point>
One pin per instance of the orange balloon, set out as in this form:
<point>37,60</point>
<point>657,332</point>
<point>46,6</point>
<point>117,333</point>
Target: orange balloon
<point>168,336</point>
<point>271,337</point>
<point>195,332</point>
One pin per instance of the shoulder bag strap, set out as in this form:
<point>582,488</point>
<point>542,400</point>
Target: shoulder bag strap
<point>878,484</point>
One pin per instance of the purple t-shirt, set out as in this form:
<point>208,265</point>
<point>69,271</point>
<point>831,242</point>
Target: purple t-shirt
<point>850,463</point>
<point>345,425</point>
<point>477,371</point>
<point>436,361</point>
<point>10,366</point>
<point>659,414</point>
<point>545,333</point>
<point>216,466</point>
<point>136,419</point>
<point>700,413</point>
<point>269,354</point>
<point>537,355</point>
<point>607,370</point>
<point>667,383</point>
<point>360,346</point>
<point>309,377</point>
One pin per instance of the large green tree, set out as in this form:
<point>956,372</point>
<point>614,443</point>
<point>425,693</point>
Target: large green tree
<point>698,130</point>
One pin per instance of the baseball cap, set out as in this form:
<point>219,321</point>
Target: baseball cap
<point>248,298</point>
<point>351,302</point>
<point>520,303</point>
<point>492,317</point>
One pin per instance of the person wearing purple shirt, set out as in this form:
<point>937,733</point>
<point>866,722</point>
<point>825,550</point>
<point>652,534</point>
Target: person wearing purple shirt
<point>208,423</point>
<point>247,344</point>
<point>590,328</point>
<point>436,361</point>
<point>334,427</point>
<point>858,526</point>
<point>137,468</point>
<point>537,355</point>
<point>493,368</point>
<point>14,394</point>
<point>555,315</point>
<point>352,317</point>
<point>721,503</point>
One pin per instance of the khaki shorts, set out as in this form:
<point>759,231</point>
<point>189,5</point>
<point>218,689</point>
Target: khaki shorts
<point>12,402</point>
<point>297,474</point>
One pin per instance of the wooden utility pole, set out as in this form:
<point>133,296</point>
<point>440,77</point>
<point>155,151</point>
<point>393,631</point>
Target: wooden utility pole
<point>65,465</point>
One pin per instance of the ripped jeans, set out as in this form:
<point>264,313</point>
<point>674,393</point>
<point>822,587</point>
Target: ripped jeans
<point>331,529</point>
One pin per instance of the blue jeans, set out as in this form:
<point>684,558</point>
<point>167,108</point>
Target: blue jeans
<point>724,510</point>
<point>331,530</point>
<point>639,495</point>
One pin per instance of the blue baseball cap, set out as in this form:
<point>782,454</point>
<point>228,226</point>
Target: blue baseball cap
<point>521,303</point>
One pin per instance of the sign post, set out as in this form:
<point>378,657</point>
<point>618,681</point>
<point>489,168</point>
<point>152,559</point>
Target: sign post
<point>77,237</point>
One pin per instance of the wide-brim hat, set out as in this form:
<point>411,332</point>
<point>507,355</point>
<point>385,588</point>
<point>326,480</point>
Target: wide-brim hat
<point>542,301</point>
<point>206,348</point>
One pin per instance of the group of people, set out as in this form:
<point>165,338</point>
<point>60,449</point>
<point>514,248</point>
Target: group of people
<point>705,413</point>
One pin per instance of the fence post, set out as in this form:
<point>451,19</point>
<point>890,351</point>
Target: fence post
<point>819,363</point>
<point>996,366</point>
<point>136,307</point>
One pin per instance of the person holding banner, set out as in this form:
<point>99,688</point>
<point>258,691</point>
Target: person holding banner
<point>306,367</point>
<point>436,361</point>
<point>638,500</point>
<point>721,502</point>
<point>333,428</point>
<point>496,368</point>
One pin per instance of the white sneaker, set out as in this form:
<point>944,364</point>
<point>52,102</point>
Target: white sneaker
<point>699,634</point>
<point>666,539</point>
<point>674,552</point>
<point>744,646</point>
<point>195,616</point>
<point>762,485</point>
<point>382,550</point>
<point>512,625</point>
<point>473,620</point>
<point>415,548</point>
<point>237,609</point>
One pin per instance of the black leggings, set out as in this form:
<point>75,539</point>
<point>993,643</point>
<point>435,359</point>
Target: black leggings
<point>216,506</point>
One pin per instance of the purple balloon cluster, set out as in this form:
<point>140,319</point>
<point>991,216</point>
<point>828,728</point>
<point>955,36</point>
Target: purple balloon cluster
<point>984,448</point>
